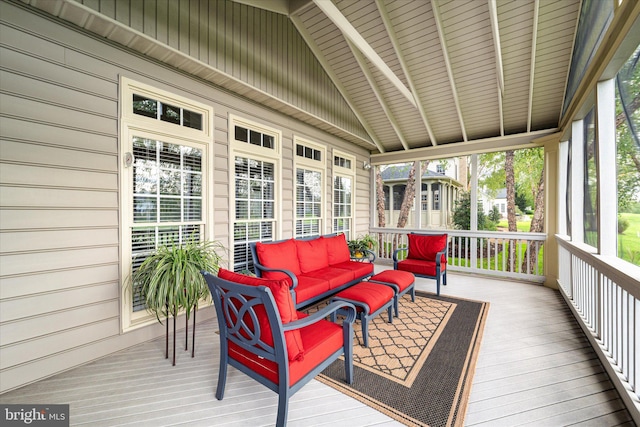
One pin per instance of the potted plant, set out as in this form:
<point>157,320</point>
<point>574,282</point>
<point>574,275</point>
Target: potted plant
<point>169,281</point>
<point>360,246</point>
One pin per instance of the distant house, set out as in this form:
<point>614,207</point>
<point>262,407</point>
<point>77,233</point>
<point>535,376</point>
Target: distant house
<point>488,201</point>
<point>438,192</point>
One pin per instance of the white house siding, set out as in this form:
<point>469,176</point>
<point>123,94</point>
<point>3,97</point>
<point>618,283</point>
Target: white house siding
<point>59,202</point>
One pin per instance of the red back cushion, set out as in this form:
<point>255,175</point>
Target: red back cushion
<point>426,247</point>
<point>312,254</point>
<point>337,249</point>
<point>286,308</point>
<point>278,255</point>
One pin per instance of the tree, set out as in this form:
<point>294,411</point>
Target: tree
<point>462,214</point>
<point>380,197</point>
<point>409,196</point>
<point>494,215</point>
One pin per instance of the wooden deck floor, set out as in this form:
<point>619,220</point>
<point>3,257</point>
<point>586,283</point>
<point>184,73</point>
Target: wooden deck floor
<point>535,368</point>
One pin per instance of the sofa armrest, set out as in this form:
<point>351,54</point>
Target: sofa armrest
<point>350,315</point>
<point>261,269</point>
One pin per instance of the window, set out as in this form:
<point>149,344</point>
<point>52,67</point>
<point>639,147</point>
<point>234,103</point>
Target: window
<point>343,181</point>
<point>308,189</point>
<point>398,196</point>
<point>254,168</point>
<point>165,144</point>
<point>153,108</point>
<point>254,207</point>
<point>424,198</point>
<point>440,169</point>
<point>435,189</point>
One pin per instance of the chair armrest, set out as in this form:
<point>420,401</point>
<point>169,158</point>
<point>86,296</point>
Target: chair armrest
<point>395,253</point>
<point>262,268</point>
<point>439,256</point>
<point>323,313</point>
<point>371,256</point>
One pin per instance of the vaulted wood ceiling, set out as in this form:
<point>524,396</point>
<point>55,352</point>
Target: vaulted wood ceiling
<point>422,73</point>
<point>415,73</point>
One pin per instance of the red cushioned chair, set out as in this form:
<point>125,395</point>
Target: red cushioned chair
<point>426,257</point>
<point>263,336</point>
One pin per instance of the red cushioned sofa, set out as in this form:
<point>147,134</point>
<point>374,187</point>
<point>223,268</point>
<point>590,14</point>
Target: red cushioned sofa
<point>315,268</point>
<point>426,257</point>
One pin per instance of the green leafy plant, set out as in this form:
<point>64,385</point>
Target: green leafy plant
<point>360,246</point>
<point>169,280</point>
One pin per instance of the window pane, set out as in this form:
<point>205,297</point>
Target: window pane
<point>192,184</point>
<point>170,113</point>
<point>145,106</point>
<point>241,134</point>
<point>170,209</point>
<point>192,120</point>
<point>145,209</point>
<point>170,182</point>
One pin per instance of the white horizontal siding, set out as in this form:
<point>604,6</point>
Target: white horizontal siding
<point>60,286</point>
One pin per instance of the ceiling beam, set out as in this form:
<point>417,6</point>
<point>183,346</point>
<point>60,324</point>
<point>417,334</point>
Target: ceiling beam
<point>376,90</point>
<point>445,55</point>
<point>495,30</point>
<point>351,34</point>
<point>487,145</point>
<point>396,46</point>
<point>534,43</point>
<point>317,52</point>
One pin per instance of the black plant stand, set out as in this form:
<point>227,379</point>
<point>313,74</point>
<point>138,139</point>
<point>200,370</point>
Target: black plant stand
<point>186,336</point>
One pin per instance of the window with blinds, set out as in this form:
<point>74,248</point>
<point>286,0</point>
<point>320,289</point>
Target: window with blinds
<point>308,202</point>
<point>167,199</point>
<point>343,181</point>
<point>342,205</point>
<point>165,145</point>
<point>254,208</point>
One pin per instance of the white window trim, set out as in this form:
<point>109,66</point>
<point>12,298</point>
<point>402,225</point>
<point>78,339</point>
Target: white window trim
<point>344,172</point>
<point>315,165</point>
<point>133,124</point>
<point>243,149</point>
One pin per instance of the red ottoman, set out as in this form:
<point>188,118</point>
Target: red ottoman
<point>370,300</point>
<point>401,282</point>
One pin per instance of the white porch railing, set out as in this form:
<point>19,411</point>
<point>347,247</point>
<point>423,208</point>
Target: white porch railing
<point>605,299</point>
<point>513,255</point>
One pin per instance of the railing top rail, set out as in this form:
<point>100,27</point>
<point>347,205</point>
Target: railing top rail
<point>626,275</point>
<point>466,233</point>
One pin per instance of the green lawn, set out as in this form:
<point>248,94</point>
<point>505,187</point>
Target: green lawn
<point>629,242</point>
<point>523,226</point>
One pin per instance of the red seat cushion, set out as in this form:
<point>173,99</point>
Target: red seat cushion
<point>359,269</point>
<point>312,254</point>
<point>335,276</point>
<point>284,303</point>
<point>282,255</point>
<point>337,249</point>
<point>403,279</point>
<point>309,287</point>
<point>320,340</point>
<point>425,268</point>
<point>426,247</point>
<point>372,294</point>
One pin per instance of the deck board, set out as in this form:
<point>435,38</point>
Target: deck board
<point>535,367</point>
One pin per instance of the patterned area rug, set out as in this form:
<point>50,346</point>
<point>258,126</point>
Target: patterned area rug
<point>418,369</point>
